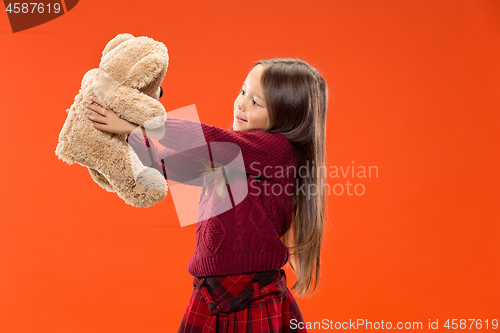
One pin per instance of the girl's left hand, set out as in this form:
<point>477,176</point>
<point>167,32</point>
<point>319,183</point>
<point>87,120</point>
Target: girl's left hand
<point>107,120</point>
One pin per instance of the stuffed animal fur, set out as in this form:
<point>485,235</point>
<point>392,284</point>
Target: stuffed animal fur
<point>128,80</point>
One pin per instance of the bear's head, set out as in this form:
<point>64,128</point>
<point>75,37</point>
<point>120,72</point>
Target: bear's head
<point>136,62</point>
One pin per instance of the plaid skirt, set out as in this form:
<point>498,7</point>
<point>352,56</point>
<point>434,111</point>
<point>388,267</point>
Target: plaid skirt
<point>255,303</point>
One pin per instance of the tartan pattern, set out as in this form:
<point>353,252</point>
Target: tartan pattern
<point>254,303</point>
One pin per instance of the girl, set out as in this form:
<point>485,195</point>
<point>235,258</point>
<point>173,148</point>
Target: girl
<point>279,124</point>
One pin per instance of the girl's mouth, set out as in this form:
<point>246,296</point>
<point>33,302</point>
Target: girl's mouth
<point>238,119</point>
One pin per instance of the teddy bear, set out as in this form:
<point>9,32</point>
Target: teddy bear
<point>128,80</point>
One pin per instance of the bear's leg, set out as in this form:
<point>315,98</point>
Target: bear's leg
<point>136,184</point>
<point>101,180</point>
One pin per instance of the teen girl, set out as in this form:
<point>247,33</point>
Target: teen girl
<point>279,124</point>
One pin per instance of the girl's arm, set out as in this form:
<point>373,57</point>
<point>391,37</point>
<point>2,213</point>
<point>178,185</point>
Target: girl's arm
<point>266,155</point>
<point>193,147</point>
<point>186,167</point>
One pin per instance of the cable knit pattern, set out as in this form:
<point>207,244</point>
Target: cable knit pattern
<point>245,238</point>
<point>214,234</point>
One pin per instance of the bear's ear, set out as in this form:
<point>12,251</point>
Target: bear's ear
<point>147,70</point>
<point>115,42</point>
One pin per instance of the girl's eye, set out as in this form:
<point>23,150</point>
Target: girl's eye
<point>242,92</point>
<point>255,103</point>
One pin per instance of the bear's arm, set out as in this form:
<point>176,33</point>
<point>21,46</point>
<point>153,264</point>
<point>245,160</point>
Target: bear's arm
<point>137,107</point>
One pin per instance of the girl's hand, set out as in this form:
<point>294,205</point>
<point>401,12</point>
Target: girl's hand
<point>107,120</point>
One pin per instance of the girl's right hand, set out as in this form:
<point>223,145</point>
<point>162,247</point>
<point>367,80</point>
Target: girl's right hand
<point>107,120</point>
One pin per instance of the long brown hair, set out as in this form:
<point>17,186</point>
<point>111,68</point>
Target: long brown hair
<point>296,97</point>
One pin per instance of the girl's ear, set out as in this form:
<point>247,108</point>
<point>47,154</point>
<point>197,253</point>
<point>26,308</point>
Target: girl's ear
<point>115,42</point>
<point>149,69</point>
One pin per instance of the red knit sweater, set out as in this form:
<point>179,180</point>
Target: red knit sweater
<point>246,237</point>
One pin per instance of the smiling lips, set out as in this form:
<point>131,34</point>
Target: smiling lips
<point>238,119</point>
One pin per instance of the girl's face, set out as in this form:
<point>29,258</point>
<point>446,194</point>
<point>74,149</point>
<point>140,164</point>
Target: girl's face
<point>249,107</point>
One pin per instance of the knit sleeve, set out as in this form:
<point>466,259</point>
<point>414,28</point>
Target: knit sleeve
<point>264,154</point>
<point>187,167</point>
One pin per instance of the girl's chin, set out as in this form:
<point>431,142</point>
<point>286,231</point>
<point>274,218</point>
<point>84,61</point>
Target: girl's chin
<point>237,126</point>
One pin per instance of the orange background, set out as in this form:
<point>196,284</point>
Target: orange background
<point>414,91</point>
